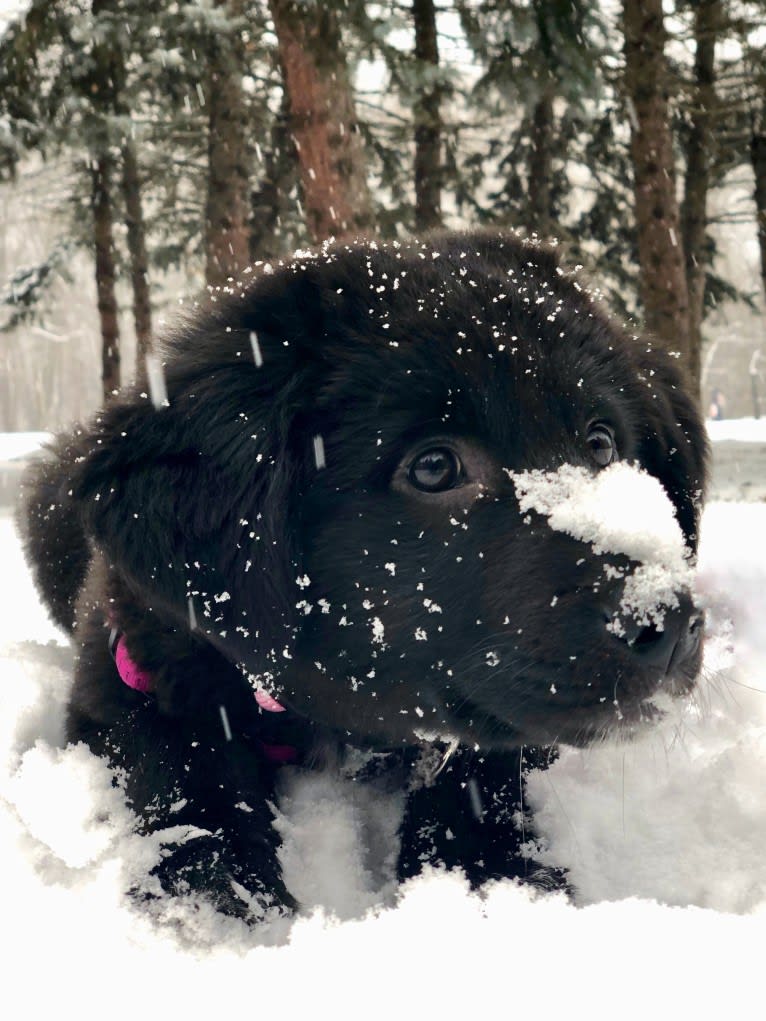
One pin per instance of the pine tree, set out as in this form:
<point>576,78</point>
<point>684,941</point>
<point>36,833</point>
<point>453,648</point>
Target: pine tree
<point>323,119</point>
<point>541,74</point>
<point>99,87</point>
<point>139,257</point>
<point>205,136</point>
<point>121,92</point>
<point>708,20</point>
<point>664,291</point>
<point>427,118</point>
<point>227,234</point>
<point>753,72</point>
<point>758,160</point>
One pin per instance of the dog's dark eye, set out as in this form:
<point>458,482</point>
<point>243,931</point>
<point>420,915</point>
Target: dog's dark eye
<point>601,445</point>
<point>435,470</point>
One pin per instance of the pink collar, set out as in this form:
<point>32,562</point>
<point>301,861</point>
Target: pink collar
<point>130,672</point>
<point>141,680</point>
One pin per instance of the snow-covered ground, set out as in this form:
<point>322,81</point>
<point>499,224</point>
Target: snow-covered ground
<point>664,840</point>
<point>746,430</point>
<point>739,465</point>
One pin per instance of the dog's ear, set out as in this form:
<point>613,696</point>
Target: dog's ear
<point>192,499</point>
<point>674,444</point>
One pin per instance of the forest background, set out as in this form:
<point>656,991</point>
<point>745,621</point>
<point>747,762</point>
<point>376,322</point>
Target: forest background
<point>150,150</point>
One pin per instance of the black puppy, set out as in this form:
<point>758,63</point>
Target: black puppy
<point>318,512</point>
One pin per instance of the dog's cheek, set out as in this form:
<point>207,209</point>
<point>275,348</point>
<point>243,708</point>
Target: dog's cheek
<point>389,608</point>
<point>375,569</point>
<point>541,623</point>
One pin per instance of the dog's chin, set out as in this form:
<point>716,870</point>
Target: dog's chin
<point>617,723</point>
<point>544,713</point>
<point>616,719</point>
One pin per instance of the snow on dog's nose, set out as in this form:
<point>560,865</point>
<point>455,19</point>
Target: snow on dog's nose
<point>623,510</point>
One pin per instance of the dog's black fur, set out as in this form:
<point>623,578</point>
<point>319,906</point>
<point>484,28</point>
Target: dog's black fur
<point>381,614</point>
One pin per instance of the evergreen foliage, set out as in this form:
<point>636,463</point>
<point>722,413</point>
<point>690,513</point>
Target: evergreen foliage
<point>528,95</point>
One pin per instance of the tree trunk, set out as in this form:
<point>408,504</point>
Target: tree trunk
<point>227,248</point>
<point>278,176</point>
<point>139,261</point>
<point>107,93</point>
<point>707,20</point>
<point>100,88</point>
<point>541,164</point>
<point>323,119</point>
<point>103,219</point>
<point>758,159</point>
<point>428,128</point>
<point>664,293</point>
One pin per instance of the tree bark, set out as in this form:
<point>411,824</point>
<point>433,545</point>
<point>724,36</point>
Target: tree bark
<point>268,200</point>
<point>758,160</point>
<point>541,164</point>
<point>227,248</point>
<point>139,260</point>
<point>664,292</point>
<point>427,115</point>
<point>707,21</point>
<point>323,119</point>
<point>101,88</point>
<point>111,98</point>
<point>103,236</point>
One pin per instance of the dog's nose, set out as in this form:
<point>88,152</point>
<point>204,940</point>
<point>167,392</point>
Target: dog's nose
<point>668,646</point>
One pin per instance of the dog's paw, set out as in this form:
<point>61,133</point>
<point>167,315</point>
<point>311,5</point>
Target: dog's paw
<point>207,866</point>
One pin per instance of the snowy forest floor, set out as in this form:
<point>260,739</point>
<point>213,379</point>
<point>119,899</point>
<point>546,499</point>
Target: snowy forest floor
<point>663,839</point>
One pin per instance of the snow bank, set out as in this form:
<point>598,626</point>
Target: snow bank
<point>745,430</point>
<point>14,445</point>
<point>680,815</point>
<point>678,818</point>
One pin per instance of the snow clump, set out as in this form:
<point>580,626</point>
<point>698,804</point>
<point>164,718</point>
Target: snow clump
<point>621,510</point>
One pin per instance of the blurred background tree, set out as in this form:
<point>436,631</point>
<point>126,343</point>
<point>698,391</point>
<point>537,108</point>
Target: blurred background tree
<point>146,152</point>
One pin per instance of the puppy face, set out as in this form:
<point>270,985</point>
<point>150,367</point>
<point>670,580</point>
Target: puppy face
<point>336,499</point>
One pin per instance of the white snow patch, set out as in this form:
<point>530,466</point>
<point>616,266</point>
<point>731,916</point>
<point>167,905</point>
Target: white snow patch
<point>319,453</point>
<point>339,841</point>
<point>745,430</point>
<point>255,345</point>
<point>155,374</point>
<point>679,816</point>
<point>378,630</point>
<point>13,445</point>
<point>621,509</point>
